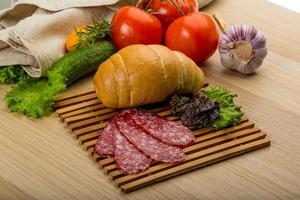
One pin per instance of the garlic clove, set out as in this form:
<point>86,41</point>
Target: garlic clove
<point>242,48</point>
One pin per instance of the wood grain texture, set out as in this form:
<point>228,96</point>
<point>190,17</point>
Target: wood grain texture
<point>39,161</point>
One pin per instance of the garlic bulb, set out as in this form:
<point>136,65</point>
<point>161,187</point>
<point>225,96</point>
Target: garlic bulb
<point>242,48</point>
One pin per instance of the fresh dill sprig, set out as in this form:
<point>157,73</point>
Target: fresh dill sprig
<point>98,30</point>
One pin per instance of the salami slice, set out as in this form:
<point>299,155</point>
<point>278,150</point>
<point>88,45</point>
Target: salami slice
<point>170,132</point>
<point>105,142</point>
<point>149,145</point>
<point>129,159</point>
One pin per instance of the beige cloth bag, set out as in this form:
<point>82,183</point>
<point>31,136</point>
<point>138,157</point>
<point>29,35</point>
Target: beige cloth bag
<point>33,32</point>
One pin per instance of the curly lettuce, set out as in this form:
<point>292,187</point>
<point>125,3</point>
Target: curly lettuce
<point>35,97</point>
<point>31,97</point>
<point>229,114</point>
<point>12,74</point>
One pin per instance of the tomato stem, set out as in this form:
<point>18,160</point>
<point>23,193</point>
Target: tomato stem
<point>174,2</point>
<point>138,3</point>
<point>148,5</point>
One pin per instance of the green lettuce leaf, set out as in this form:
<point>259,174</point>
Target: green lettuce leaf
<point>230,114</point>
<point>32,97</point>
<point>12,74</point>
<point>35,97</point>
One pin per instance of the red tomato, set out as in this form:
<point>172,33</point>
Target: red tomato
<point>167,12</point>
<point>195,35</point>
<point>131,25</point>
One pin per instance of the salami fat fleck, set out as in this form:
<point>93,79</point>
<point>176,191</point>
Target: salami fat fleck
<point>105,142</point>
<point>129,159</point>
<point>170,132</point>
<point>149,145</point>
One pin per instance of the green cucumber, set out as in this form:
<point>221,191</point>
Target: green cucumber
<point>80,62</point>
<point>35,97</point>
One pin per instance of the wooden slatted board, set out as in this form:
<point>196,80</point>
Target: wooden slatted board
<point>86,117</point>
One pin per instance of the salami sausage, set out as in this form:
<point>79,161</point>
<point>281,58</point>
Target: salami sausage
<point>149,145</point>
<point>105,142</point>
<point>129,159</point>
<point>170,132</point>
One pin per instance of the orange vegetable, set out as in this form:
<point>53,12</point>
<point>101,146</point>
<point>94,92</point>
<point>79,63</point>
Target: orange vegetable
<point>72,39</point>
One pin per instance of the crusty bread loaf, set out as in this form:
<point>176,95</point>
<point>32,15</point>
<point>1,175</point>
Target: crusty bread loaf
<point>143,74</point>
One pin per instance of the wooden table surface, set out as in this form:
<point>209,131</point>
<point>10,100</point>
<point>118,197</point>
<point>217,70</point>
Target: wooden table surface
<point>40,160</point>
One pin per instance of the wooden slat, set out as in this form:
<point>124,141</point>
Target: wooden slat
<point>88,129</point>
<point>86,117</point>
<point>78,106</point>
<point>93,112</point>
<point>88,122</point>
<point>75,100</point>
<point>164,113</point>
<point>82,111</point>
<point>239,127</point>
<point>91,151</point>
<point>172,118</point>
<point>90,136</point>
<point>159,109</point>
<point>89,144</point>
<point>195,165</point>
<point>63,97</point>
<point>243,125</point>
<point>205,143</point>
<point>106,162</point>
<point>95,156</point>
<point>110,168</point>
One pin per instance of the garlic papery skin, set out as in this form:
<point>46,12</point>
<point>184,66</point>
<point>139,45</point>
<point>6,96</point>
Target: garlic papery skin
<point>242,48</point>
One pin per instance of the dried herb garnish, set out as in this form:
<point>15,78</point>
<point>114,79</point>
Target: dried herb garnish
<point>212,107</point>
<point>195,110</point>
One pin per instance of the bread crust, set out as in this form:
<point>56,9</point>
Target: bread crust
<point>143,74</point>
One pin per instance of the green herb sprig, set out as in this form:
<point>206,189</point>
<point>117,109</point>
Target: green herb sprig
<point>98,30</point>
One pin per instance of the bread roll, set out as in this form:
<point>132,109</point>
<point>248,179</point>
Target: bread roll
<point>143,74</point>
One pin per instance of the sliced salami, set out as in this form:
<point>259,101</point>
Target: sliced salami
<point>149,145</point>
<point>129,159</point>
<point>170,132</point>
<point>105,142</point>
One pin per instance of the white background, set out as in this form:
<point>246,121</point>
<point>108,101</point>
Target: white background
<point>4,3</point>
<point>290,4</point>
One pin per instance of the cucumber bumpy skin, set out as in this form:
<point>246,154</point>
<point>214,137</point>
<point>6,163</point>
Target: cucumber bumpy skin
<point>35,97</point>
<point>80,62</point>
